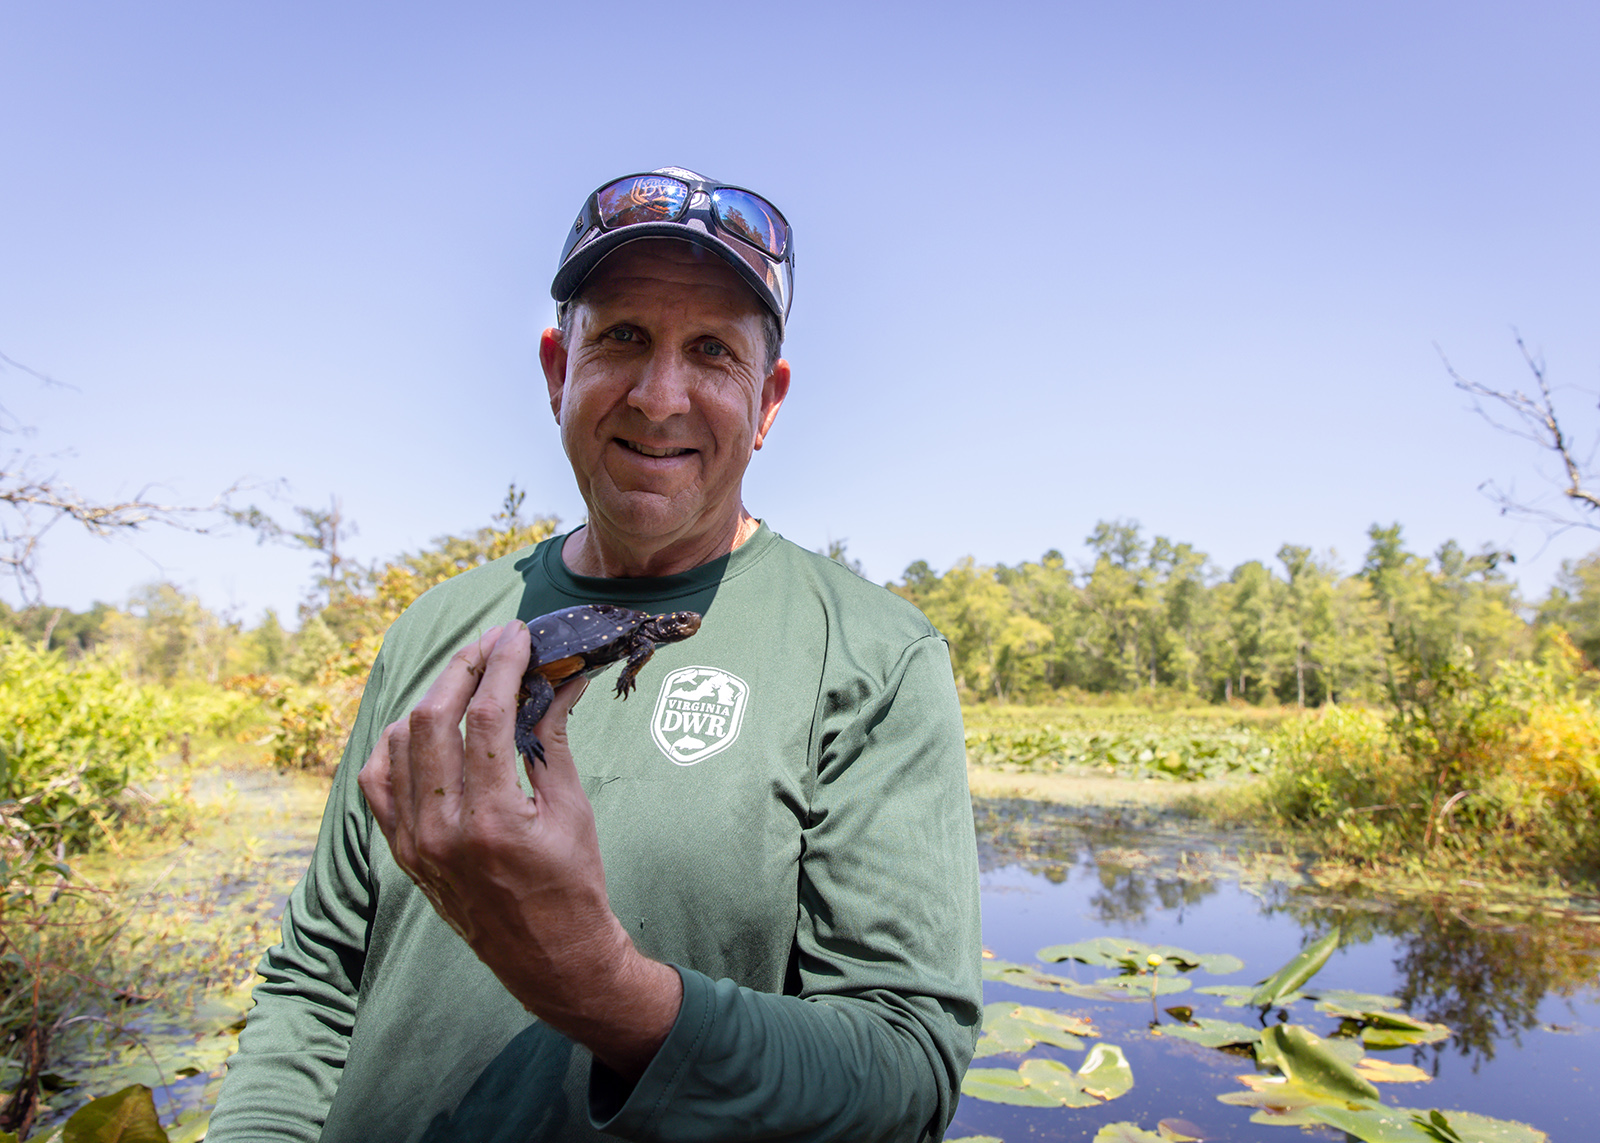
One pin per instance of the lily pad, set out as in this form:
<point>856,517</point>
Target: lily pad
<point>1015,1028</point>
<point>1126,1133</point>
<point>1408,1125</point>
<point>1209,1033</point>
<point>1004,1085</point>
<point>1105,1075</point>
<point>1025,976</point>
<point>976,1139</point>
<point>1279,1100</point>
<point>1300,969</point>
<point>1382,1071</point>
<point>1330,999</point>
<point>1130,987</point>
<point>1239,995</point>
<point>1397,1030</point>
<point>1115,952</point>
<point>1313,1063</point>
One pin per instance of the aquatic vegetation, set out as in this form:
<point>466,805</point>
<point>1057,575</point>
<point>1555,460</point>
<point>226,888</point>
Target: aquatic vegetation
<point>1104,1076</point>
<point>1169,748</point>
<point>1012,1029</point>
<point>1291,976</point>
<point>1133,956</point>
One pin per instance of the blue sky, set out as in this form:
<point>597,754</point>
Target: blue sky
<point>1186,263</point>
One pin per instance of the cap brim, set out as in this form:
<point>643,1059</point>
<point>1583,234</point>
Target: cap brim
<point>583,261</point>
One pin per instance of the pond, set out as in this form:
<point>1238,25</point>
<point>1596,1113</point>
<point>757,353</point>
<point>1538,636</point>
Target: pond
<point>1516,981</point>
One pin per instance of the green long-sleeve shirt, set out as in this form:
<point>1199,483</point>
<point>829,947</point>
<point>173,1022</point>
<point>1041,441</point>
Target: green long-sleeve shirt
<point>783,815</point>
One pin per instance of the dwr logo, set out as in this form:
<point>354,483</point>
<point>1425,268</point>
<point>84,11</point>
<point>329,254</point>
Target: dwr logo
<point>698,713</point>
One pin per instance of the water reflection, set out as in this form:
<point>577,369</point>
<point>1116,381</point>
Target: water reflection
<point>1484,973</point>
<point>1481,966</point>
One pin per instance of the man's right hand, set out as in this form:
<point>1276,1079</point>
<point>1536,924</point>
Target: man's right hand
<point>519,878</point>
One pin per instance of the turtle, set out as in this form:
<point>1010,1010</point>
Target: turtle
<point>581,641</point>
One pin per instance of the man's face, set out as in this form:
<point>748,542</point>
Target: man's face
<point>661,395</point>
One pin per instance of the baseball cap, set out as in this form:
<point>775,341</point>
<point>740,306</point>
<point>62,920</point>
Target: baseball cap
<point>740,226</point>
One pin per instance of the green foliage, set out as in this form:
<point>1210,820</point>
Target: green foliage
<point>1131,744</point>
<point>1155,617</point>
<point>327,661</point>
<point>74,738</point>
<point>1502,771</point>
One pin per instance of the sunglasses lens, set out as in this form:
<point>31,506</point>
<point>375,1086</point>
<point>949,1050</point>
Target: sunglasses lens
<point>750,219</point>
<point>642,198</point>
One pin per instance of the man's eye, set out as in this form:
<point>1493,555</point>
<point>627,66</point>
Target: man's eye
<point>623,335</point>
<point>713,348</point>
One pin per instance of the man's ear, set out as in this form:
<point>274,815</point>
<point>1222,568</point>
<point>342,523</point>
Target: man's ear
<point>553,359</point>
<point>773,391</point>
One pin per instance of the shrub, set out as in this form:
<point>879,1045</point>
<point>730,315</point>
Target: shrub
<point>1502,773</point>
<point>74,738</point>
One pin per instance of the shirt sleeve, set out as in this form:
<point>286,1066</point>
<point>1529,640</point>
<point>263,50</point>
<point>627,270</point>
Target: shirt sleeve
<point>888,947</point>
<point>292,1051</point>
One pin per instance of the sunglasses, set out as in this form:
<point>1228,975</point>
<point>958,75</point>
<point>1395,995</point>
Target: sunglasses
<point>740,214</point>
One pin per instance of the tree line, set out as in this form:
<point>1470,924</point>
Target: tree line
<point>1140,616</point>
<point>1155,616</point>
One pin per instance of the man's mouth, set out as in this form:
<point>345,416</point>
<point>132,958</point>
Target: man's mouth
<point>647,450</point>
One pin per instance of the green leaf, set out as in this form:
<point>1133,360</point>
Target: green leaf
<point>1240,995</point>
<point>1116,952</point>
<point>1130,987</point>
<point>1025,976</point>
<point>1397,1030</point>
<point>976,1139</point>
<point>1105,1075</point>
<point>1382,1071</point>
<point>1209,1033</point>
<point>1126,1133</point>
<point>1330,998</point>
<point>1106,1072</point>
<point>1003,1085</point>
<point>1061,1083</point>
<point>128,1116</point>
<point>1374,1124</point>
<point>1300,969</point>
<point>1314,1064</point>
<point>1015,1028</point>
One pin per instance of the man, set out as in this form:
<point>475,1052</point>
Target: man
<point>742,905</point>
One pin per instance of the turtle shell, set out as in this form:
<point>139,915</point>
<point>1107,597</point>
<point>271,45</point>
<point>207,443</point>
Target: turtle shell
<point>598,633</point>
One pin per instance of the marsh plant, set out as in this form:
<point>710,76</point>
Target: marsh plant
<point>1463,771</point>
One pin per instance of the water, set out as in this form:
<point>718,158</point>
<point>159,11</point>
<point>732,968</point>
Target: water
<point>1518,981</point>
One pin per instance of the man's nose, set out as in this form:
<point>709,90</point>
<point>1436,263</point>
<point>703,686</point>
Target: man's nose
<point>661,390</point>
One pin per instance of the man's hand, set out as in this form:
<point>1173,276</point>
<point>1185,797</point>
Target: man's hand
<point>519,878</point>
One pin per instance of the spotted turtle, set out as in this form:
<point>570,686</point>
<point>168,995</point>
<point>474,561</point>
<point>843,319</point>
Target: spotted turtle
<point>582,640</point>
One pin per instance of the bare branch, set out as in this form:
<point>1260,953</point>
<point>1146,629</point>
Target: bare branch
<point>1533,418</point>
<point>38,502</point>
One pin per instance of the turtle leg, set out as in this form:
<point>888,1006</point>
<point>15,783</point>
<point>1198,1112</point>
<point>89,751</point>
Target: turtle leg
<point>536,699</point>
<point>628,679</point>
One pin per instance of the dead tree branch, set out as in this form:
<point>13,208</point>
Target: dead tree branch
<point>37,501</point>
<point>1533,418</point>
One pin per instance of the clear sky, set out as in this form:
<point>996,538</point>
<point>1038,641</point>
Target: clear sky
<point>1186,263</point>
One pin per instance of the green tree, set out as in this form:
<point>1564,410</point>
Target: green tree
<point>1574,604</point>
<point>991,641</point>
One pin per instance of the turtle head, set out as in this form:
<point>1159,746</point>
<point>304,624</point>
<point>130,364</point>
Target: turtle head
<point>675,625</point>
